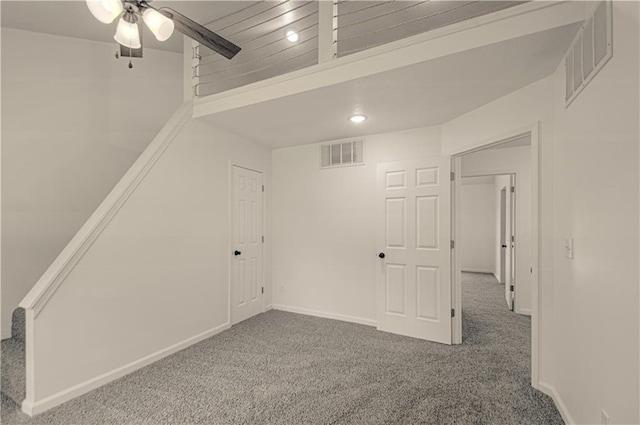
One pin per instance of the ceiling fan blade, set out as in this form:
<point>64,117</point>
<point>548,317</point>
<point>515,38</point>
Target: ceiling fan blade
<point>201,34</point>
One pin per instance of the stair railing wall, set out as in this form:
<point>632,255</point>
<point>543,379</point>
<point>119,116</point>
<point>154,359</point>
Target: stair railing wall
<point>66,261</point>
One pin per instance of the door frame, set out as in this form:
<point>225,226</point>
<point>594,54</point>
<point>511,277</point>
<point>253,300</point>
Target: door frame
<point>230,247</point>
<point>456,302</point>
<point>503,235</point>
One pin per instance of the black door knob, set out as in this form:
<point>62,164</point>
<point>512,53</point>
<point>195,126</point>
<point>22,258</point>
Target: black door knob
<point>236,253</point>
<point>381,255</point>
<point>504,246</point>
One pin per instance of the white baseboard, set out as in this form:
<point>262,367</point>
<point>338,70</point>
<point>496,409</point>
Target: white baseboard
<point>474,270</point>
<point>268,307</point>
<point>562,408</point>
<point>325,315</point>
<point>524,311</point>
<point>36,407</point>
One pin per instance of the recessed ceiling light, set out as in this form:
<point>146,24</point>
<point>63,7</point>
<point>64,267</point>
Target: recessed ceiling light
<point>357,118</point>
<point>292,36</point>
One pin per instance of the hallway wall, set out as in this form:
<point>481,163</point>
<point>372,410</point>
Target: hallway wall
<point>74,119</point>
<point>596,195</point>
<point>589,162</point>
<point>477,236</point>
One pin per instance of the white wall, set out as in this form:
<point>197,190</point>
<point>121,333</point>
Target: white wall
<point>324,226</point>
<point>477,237</point>
<point>502,161</point>
<point>159,273</point>
<point>588,331</point>
<point>596,203</point>
<point>73,121</point>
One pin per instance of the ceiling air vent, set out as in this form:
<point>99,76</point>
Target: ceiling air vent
<point>590,51</point>
<point>341,154</point>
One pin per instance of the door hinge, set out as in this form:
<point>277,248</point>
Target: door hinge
<point>453,176</point>
<point>453,312</point>
<point>453,244</point>
<point>512,288</point>
<point>263,239</point>
<point>263,289</point>
<point>513,238</point>
<point>263,188</point>
<point>513,189</point>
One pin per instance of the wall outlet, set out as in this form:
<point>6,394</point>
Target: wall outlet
<point>568,248</point>
<point>604,418</point>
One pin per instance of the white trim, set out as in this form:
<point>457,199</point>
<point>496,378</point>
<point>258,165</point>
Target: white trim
<point>325,314</point>
<point>474,270</point>
<point>524,311</point>
<point>31,407</point>
<point>456,261</point>
<point>536,237</point>
<point>490,141</point>
<point>555,396</point>
<point>268,307</point>
<point>66,261</point>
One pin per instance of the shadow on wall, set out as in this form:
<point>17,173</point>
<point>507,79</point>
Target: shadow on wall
<point>67,138</point>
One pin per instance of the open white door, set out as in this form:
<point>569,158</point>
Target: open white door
<point>507,246</point>
<point>510,284</point>
<point>246,263</point>
<point>414,270</point>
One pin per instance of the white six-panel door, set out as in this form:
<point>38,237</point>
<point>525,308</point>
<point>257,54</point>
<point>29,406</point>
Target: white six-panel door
<point>246,263</point>
<point>414,230</point>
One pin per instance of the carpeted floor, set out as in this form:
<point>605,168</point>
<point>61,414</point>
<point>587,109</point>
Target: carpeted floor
<point>284,368</point>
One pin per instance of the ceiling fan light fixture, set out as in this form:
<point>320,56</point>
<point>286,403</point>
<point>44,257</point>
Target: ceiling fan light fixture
<point>127,32</point>
<point>161,26</point>
<point>357,119</point>
<point>105,11</point>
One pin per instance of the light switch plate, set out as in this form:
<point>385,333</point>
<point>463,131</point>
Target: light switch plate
<point>568,248</point>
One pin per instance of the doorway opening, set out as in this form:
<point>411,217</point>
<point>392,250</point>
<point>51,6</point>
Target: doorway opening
<point>487,232</point>
<point>498,178</point>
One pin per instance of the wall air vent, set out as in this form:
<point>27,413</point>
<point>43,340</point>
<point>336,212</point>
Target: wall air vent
<point>342,154</point>
<point>590,51</point>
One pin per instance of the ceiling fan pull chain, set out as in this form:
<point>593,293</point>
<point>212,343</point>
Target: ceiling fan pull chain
<point>130,64</point>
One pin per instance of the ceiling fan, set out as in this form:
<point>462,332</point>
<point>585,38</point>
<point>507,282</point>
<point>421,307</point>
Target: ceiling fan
<point>160,21</point>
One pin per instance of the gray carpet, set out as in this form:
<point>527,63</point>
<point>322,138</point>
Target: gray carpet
<point>284,368</point>
<point>12,366</point>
